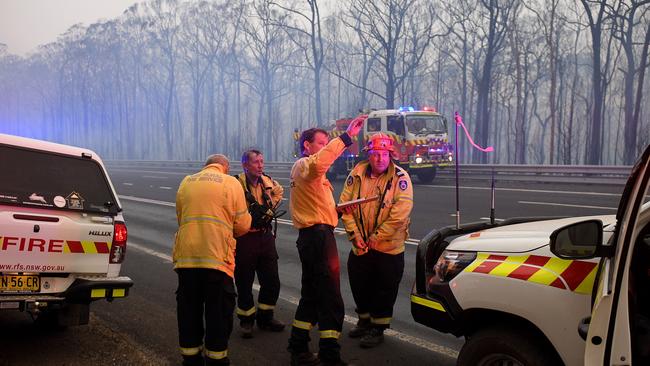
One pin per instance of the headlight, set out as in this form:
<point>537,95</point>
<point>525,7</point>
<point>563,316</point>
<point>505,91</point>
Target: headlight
<point>450,264</point>
<point>418,160</point>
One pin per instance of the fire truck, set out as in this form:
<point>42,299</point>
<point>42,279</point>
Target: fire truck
<point>421,141</point>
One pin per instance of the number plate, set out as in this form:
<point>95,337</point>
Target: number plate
<point>16,283</point>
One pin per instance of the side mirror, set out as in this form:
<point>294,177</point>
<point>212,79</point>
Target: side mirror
<point>581,240</point>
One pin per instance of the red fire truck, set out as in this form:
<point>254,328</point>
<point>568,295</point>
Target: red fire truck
<point>421,141</point>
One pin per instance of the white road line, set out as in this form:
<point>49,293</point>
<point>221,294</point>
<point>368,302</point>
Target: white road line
<point>338,230</point>
<point>166,257</point>
<point>566,205</point>
<point>527,190</point>
<point>163,187</point>
<point>341,231</point>
<point>348,319</point>
<point>127,184</point>
<point>487,218</point>
<point>147,200</point>
<point>149,171</point>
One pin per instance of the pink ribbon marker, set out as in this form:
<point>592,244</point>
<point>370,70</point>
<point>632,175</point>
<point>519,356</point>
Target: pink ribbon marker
<point>459,121</point>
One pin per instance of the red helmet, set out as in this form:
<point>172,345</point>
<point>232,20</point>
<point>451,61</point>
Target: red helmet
<point>380,141</point>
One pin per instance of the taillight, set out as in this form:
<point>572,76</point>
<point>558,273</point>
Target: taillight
<point>118,249</point>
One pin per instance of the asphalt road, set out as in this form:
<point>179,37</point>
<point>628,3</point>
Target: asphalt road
<point>141,329</point>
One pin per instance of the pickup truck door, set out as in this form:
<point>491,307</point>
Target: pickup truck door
<point>609,339</point>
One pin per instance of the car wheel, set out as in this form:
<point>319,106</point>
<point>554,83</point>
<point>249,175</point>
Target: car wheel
<point>49,320</point>
<point>504,346</point>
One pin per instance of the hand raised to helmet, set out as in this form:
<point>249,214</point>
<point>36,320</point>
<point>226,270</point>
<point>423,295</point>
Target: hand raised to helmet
<point>355,125</point>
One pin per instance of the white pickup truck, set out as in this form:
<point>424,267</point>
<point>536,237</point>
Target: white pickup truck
<point>521,291</point>
<point>62,233</point>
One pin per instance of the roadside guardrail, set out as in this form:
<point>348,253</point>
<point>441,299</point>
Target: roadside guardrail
<point>575,174</point>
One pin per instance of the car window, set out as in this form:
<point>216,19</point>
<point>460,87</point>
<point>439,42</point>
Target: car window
<point>395,125</point>
<point>33,178</point>
<point>374,124</point>
<point>425,124</point>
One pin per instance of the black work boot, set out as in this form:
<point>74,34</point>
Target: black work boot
<point>194,360</point>
<point>246,329</point>
<point>338,362</point>
<point>374,337</point>
<point>362,327</point>
<point>272,325</point>
<point>265,321</point>
<point>220,362</point>
<point>304,359</point>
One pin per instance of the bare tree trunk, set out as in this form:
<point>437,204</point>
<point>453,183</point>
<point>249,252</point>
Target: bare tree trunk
<point>594,145</point>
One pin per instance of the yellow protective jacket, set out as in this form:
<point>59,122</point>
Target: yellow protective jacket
<point>211,211</point>
<point>271,187</point>
<point>312,201</point>
<point>386,220</point>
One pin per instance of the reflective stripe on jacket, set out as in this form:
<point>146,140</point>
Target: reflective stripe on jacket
<point>312,201</point>
<point>387,223</point>
<point>211,211</point>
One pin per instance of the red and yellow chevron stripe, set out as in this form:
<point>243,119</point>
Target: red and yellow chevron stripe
<point>87,247</point>
<point>431,142</point>
<point>572,275</point>
<point>397,138</point>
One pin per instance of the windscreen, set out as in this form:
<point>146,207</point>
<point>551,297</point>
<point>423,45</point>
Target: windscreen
<point>425,124</point>
<point>33,178</point>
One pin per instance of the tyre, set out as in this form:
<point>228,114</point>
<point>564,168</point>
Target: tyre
<point>426,176</point>
<point>63,317</point>
<point>506,346</point>
<point>49,320</point>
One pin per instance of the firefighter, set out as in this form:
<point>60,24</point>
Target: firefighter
<point>256,250</point>
<point>211,211</point>
<point>377,230</point>
<point>314,214</point>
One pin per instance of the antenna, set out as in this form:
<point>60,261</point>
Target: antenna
<point>492,219</point>
<point>457,161</point>
<point>459,122</point>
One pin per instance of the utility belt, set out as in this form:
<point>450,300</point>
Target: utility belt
<point>317,227</point>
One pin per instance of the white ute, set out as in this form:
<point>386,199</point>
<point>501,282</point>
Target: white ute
<point>62,233</point>
<point>521,291</point>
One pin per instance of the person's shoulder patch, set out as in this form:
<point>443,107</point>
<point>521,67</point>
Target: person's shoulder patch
<point>350,180</point>
<point>403,184</point>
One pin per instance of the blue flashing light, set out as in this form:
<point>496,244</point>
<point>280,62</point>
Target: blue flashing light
<point>406,109</point>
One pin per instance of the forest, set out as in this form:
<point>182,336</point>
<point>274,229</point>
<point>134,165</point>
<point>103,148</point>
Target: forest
<point>543,81</point>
